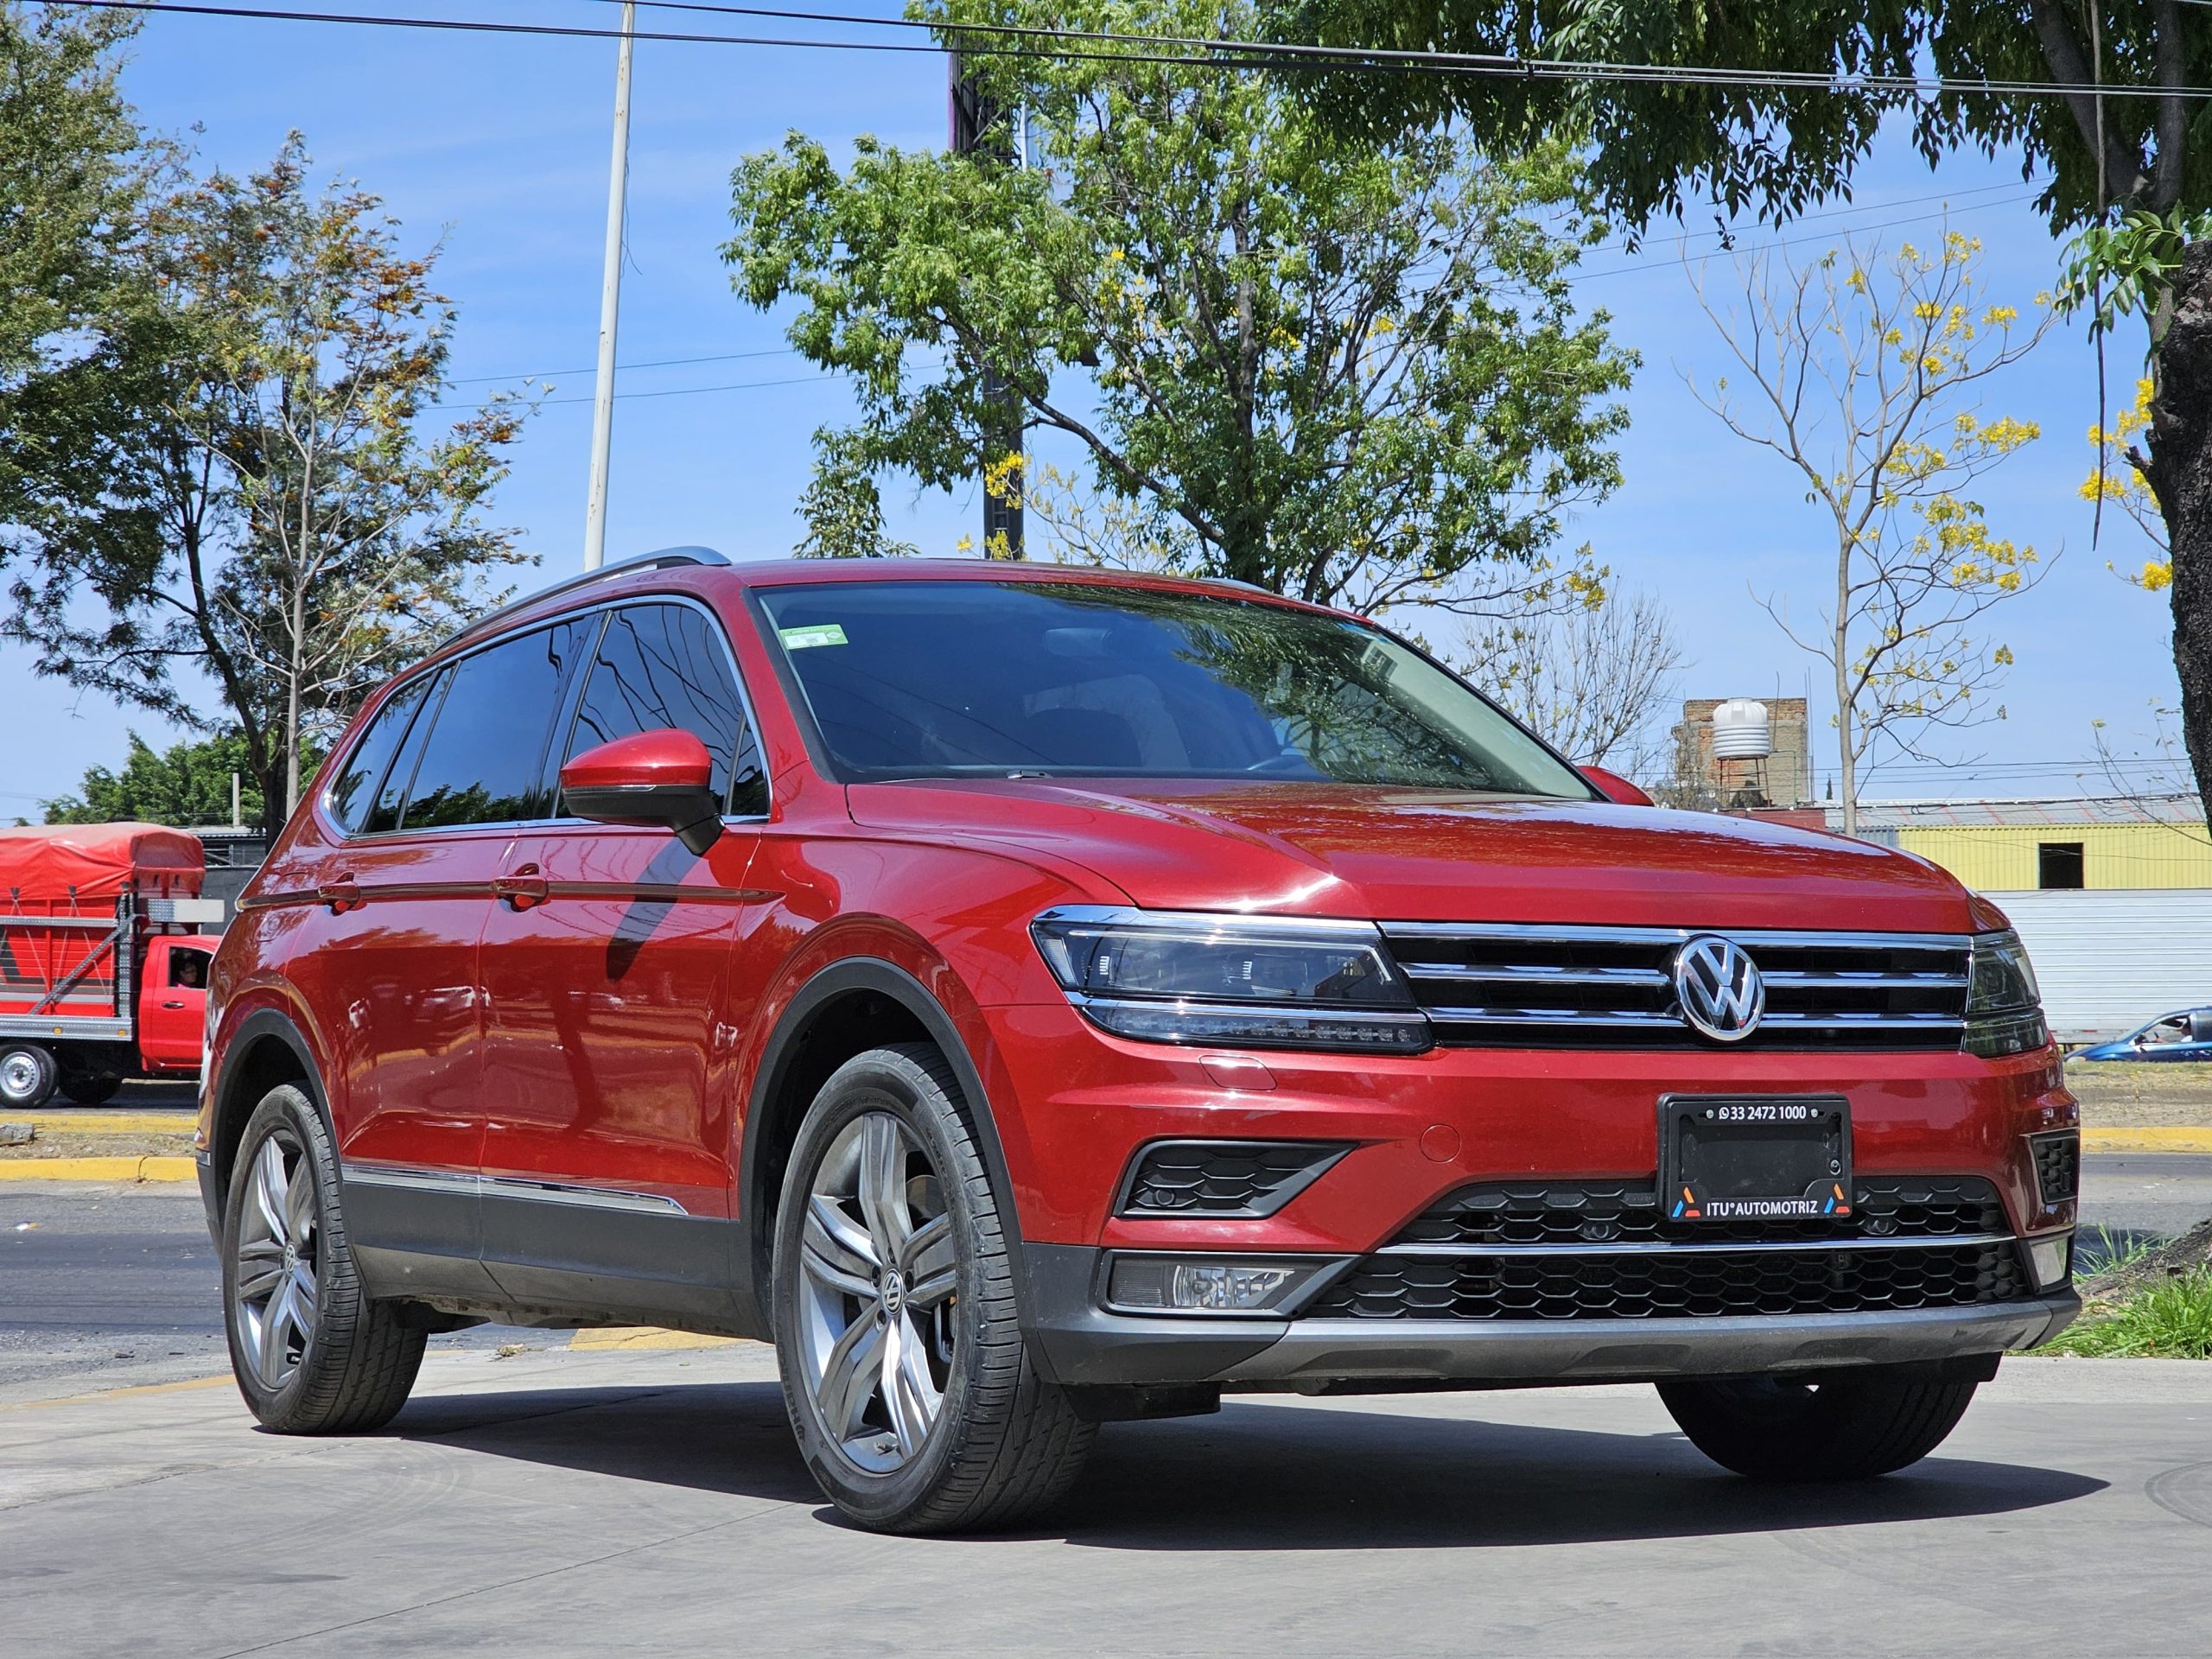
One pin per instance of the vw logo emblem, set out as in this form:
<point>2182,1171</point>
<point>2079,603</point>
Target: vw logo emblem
<point>1719,988</point>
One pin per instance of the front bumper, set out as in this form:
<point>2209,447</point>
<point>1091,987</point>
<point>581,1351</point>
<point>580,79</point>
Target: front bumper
<point>1081,1344</point>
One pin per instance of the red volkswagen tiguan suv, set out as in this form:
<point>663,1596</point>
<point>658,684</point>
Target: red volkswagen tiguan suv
<point>1036,997</point>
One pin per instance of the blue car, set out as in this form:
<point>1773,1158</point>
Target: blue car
<point>2183,1036</point>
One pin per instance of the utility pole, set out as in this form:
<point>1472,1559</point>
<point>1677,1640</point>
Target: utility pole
<point>610,303</point>
<point>980,126</point>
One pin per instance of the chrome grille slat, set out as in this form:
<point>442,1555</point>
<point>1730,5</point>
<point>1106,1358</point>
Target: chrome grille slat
<point>1506,984</point>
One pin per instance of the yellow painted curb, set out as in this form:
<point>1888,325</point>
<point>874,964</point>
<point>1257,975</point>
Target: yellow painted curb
<point>111,1123</point>
<point>647,1335</point>
<point>2151,1139</point>
<point>96,1169</point>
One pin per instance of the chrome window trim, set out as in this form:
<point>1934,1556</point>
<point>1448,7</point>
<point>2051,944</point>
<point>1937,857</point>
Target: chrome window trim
<point>601,608</point>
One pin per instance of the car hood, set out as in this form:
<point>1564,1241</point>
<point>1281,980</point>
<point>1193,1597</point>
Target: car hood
<point>1427,856</point>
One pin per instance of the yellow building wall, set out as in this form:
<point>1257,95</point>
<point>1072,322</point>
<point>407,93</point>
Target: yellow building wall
<point>2002,858</point>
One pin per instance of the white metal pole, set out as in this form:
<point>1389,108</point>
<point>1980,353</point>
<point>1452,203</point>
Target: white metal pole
<point>610,304</point>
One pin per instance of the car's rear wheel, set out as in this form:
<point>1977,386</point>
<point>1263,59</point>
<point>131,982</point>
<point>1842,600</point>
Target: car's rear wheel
<point>312,1354</point>
<point>1844,1428</point>
<point>28,1074</point>
<point>915,1402</point>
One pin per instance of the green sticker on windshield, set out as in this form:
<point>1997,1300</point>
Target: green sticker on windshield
<point>822,633</point>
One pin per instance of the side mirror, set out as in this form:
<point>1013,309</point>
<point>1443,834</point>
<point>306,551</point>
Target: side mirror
<point>1615,788</point>
<point>658,777</point>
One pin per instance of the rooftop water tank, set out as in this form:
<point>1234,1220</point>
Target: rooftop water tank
<point>1741,731</point>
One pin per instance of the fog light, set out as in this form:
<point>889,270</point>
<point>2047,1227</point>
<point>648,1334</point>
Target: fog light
<point>2050,1258</point>
<point>1203,1285</point>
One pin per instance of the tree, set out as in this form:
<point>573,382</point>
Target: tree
<point>1592,681</point>
<point>1347,372</point>
<point>188,784</point>
<point>279,525</point>
<point>1865,369</point>
<point>72,169</point>
<point>2100,97</point>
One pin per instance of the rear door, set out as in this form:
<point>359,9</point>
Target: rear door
<point>407,899</point>
<point>605,970</point>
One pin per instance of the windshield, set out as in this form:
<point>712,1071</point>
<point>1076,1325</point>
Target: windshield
<point>947,680</point>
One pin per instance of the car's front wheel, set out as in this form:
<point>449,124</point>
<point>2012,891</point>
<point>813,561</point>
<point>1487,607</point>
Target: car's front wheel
<point>313,1355</point>
<point>1843,1428</point>
<point>915,1402</point>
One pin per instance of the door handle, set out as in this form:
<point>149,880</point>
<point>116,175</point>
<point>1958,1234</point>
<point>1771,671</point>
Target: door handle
<point>340,893</point>
<point>172,1005</point>
<point>525,889</point>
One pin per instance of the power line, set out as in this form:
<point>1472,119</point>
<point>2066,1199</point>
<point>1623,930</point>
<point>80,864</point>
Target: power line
<point>662,363</point>
<point>983,40</point>
<point>673,391</point>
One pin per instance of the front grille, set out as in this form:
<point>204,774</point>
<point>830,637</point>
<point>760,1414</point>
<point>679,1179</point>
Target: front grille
<point>1500,985</point>
<point>1223,1178</point>
<point>1602,1250</point>
<point>2058,1165</point>
<point>1692,1285</point>
<point>1627,1212</point>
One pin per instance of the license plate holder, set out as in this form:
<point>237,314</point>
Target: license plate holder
<point>1735,1157</point>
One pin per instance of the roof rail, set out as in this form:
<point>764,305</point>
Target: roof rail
<point>666,558</point>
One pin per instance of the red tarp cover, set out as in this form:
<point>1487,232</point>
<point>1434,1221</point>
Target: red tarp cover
<point>42,863</point>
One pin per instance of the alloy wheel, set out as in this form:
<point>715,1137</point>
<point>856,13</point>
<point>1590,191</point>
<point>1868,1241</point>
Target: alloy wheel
<point>877,1282</point>
<point>279,1249</point>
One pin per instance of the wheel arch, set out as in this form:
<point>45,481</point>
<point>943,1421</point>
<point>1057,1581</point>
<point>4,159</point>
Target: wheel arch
<point>265,1049</point>
<point>853,1005</point>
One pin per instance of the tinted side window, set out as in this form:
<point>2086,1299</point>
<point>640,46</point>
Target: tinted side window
<point>384,815</point>
<point>487,749</point>
<point>663,665</point>
<point>350,794</point>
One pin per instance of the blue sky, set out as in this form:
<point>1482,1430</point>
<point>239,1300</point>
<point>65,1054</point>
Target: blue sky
<point>500,146</point>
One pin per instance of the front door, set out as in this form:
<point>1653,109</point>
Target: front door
<point>172,1004</point>
<point>608,1049</point>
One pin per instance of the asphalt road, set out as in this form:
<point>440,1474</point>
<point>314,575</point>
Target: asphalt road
<point>538,1499</point>
<point>117,1287</point>
<point>560,1503</point>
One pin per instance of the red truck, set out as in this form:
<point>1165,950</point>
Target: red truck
<point>103,958</point>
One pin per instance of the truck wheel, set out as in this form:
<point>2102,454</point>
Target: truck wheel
<point>28,1074</point>
<point>1780,1429</point>
<point>915,1402</point>
<point>89,1088</point>
<point>312,1354</point>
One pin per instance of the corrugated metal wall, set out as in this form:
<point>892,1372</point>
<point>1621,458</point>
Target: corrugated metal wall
<point>2002,857</point>
<point>2109,962</point>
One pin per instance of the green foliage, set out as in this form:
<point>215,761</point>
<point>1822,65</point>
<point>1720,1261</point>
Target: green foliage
<point>71,170</point>
<point>1660,147</point>
<point>1347,372</point>
<point>275,520</point>
<point>188,784</point>
<point>2172,1320</point>
<point>2117,270</point>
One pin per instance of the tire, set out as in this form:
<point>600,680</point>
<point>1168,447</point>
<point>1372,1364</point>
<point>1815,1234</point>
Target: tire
<point>1778,1428</point>
<point>28,1076</point>
<point>999,1442</point>
<point>89,1088</point>
<point>312,1356</point>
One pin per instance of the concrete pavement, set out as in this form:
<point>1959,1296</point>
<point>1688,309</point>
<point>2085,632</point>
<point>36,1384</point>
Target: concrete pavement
<point>560,1503</point>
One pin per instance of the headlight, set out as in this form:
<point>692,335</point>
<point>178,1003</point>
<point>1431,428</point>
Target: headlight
<point>2004,1005</point>
<point>1240,981</point>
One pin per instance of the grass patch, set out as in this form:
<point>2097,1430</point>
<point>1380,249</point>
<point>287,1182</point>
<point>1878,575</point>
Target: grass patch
<point>2171,1321</point>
